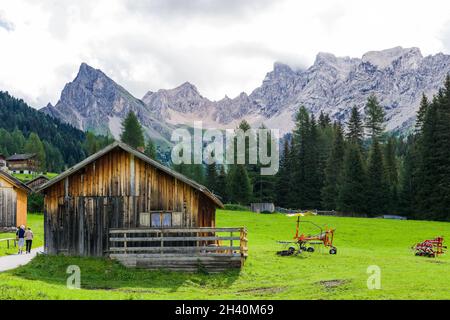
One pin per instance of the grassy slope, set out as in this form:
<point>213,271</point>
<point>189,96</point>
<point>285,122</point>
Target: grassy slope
<point>360,242</point>
<point>27,177</point>
<point>35,222</point>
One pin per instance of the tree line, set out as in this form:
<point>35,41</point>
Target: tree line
<point>361,169</point>
<point>355,167</point>
<point>57,145</point>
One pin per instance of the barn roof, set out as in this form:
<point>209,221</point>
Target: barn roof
<point>37,178</point>
<point>14,181</point>
<point>139,155</point>
<point>23,156</point>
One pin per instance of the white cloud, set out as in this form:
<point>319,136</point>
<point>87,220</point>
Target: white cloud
<point>223,47</point>
<point>5,23</point>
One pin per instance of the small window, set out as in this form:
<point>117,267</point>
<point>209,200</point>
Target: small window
<point>161,219</point>
<point>166,219</point>
<point>156,220</point>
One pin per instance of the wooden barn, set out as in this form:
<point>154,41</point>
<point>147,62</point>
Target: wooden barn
<point>119,202</point>
<point>13,201</point>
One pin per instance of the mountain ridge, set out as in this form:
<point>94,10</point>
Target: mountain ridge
<point>397,76</point>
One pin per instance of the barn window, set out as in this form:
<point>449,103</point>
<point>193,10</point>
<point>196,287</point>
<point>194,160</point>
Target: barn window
<point>163,219</point>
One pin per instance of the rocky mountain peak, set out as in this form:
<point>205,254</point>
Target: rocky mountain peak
<point>324,57</point>
<point>411,57</point>
<point>186,90</point>
<point>281,68</point>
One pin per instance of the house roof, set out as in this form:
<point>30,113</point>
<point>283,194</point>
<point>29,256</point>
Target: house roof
<point>22,156</point>
<point>14,181</point>
<point>37,178</point>
<point>139,155</point>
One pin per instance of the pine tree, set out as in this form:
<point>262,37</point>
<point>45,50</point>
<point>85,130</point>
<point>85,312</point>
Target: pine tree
<point>377,193</point>
<point>283,177</point>
<point>132,132</point>
<point>211,177</point>
<point>427,173</point>
<point>263,186</point>
<point>420,118</point>
<point>221,184</point>
<point>391,173</point>
<point>313,168</point>
<point>352,191</point>
<point>333,170</point>
<point>324,120</point>
<point>34,145</point>
<point>440,209</point>
<point>299,190</point>
<point>355,130</point>
<point>374,118</point>
<point>408,180</point>
<point>150,149</point>
<point>239,185</point>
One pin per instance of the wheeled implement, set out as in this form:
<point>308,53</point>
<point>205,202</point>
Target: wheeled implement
<point>307,243</point>
<point>430,248</point>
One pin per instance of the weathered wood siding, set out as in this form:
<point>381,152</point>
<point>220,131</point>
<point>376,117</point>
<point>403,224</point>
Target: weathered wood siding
<point>13,205</point>
<point>111,192</point>
<point>22,207</point>
<point>8,207</point>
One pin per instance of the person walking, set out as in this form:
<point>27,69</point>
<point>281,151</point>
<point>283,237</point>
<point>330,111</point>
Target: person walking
<point>28,240</point>
<point>21,237</point>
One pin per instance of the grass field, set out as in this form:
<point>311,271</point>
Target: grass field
<point>27,177</point>
<point>360,243</point>
<point>35,222</point>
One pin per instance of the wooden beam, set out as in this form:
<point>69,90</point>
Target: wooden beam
<point>152,239</point>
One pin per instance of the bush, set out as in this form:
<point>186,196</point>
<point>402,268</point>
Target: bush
<point>236,207</point>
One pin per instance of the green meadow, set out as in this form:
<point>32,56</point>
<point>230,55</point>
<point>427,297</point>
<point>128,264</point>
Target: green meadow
<point>360,243</point>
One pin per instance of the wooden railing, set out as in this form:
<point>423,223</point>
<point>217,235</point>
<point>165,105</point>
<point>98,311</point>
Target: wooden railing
<point>179,241</point>
<point>7,240</point>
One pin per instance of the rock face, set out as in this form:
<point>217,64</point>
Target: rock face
<point>397,76</point>
<point>92,101</point>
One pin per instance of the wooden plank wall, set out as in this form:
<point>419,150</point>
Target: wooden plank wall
<point>22,207</point>
<point>110,193</point>
<point>8,207</point>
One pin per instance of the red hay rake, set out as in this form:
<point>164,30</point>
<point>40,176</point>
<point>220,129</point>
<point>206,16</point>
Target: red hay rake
<point>430,248</point>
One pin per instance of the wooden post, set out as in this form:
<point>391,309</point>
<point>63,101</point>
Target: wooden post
<point>125,242</point>
<point>231,242</point>
<point>162,242</point>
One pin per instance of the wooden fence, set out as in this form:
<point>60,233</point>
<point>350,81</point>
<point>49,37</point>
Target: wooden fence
<point>188,249</point>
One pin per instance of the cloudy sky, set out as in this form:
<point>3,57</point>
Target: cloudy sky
<point>221,46</point>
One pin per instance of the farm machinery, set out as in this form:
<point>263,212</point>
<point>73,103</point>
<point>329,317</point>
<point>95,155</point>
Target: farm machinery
<point>430,248</point>
<point>307,243</point>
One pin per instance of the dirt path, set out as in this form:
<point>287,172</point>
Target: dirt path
<point>16,260</point>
